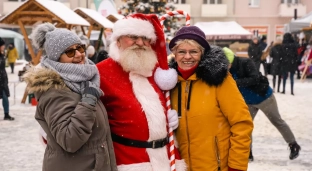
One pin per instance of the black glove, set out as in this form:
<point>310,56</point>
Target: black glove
<point>90,94</point>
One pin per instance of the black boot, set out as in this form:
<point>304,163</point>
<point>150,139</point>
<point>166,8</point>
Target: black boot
<point>294,150</point>
<point>251,158</point>
<point>8,117</point>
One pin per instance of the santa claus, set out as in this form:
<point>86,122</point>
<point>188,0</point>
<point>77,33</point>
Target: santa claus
<point>133,80</point>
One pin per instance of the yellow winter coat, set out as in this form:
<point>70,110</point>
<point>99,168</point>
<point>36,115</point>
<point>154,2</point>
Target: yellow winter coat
<point>12,55</point>
<point>215,124</point>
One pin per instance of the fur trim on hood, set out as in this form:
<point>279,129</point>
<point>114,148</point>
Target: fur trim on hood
<point>40,79</point>
<point>212,67</point>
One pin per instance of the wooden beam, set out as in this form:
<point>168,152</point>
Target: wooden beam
<point>83,30</point>
<point>38,56</point>
<point>33,13</point>
<point>35,19</point>
<point>89,31</point>
<point>32,54</point>
<point>69,26</point>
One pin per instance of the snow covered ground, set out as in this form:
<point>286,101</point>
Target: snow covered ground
<point>20,149</point>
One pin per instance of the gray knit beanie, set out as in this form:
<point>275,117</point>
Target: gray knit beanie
<point>53,40</point>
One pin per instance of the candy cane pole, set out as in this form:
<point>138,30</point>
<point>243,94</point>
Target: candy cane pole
<point>171,140</point>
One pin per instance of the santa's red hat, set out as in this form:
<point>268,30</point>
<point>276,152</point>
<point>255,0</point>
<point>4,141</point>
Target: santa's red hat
<point>148,25</point>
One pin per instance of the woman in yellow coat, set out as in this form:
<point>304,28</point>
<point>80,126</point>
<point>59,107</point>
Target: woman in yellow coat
<point>12,56</point>
<point>215,125</point>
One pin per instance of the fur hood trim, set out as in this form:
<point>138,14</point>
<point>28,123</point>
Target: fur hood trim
<point>40,79</point>
<point>212,68</point>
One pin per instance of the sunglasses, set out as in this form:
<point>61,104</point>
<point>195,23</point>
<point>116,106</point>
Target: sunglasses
<point>72,52</point>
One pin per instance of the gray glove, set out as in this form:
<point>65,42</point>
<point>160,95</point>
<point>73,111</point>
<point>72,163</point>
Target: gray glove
<point>90,94</point>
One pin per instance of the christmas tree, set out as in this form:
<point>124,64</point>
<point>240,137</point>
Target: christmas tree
<point>158,7</point>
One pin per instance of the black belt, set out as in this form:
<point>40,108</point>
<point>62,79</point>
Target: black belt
<point>140,144</point>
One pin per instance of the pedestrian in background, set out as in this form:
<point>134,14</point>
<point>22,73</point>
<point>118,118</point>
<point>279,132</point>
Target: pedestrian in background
<point>276,54</point>
<point>4,88</point>
<point>69,111</point>
<point>289,60</point>
<point>214,132</point>
<point>12,55</point>
<point>255,52</point>
<point>265,52</point>
<point>258,95</point>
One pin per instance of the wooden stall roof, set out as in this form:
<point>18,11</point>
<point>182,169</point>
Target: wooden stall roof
<point>32,11</point>
<point>115,17</point>
<point>94,18</point>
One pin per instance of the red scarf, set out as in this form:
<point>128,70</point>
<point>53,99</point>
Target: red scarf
<point>187,73</point>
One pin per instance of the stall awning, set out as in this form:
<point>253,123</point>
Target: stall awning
<point>224,30</point>
<point>95,18</point>
<point>32,11</point>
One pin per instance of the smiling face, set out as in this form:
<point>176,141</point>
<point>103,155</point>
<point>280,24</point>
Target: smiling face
<point>187,55</point>
<point>74,54</point>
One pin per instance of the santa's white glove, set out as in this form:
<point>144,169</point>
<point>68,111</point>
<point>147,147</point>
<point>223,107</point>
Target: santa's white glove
<point>173,119</point>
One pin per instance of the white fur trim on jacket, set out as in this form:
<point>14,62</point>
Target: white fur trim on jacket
<point>180,165</point>
<point>133,26</point>
<point>166,79</point>
<point>156,119</point>
<point>135,167</point>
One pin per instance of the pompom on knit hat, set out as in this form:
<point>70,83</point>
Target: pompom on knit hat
<point>192,33</point>
<point>229,54</point>
<point>53,40</point>
<point>148,25</point>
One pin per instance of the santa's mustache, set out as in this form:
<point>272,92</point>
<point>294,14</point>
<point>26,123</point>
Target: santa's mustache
<point>136,47</point>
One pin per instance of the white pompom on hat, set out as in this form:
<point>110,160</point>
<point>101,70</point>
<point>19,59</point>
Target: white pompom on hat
<point>90,50</point>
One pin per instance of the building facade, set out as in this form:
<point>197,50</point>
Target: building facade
<point>266,16</point>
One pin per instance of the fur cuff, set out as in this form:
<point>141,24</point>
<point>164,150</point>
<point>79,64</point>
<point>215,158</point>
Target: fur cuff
<point>135,167</point>
<point>166,79</point>
<point>180,165</point>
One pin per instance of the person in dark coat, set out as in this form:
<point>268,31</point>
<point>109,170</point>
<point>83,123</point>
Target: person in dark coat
<point>276,54</point>
<point>255,52</point>
<point>102,56</point>
<point>4,88</point>
<point>265,52</point>
<point>258,95</point>
<point>289,60</point>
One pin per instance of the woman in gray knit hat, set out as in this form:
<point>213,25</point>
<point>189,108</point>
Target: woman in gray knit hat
<point>66,86</point>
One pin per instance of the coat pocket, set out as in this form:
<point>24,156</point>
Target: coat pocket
<point>102,161</point>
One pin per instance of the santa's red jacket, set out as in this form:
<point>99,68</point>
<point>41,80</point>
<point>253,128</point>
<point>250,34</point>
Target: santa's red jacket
<point>136,110</point>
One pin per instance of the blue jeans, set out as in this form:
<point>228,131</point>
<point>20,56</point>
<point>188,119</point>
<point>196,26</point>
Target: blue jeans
<point>5,102</point>
<point>291,75</point>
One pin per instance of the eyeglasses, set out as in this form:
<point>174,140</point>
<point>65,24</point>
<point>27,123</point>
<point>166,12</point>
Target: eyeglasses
<point>72,52</point>
<point>193,53</point>
<point>135,38</point>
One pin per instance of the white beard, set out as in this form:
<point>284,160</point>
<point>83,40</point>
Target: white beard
<point>138,60</point>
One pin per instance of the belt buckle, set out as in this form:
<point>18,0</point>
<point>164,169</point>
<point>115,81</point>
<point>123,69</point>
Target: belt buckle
<point>153,146</point>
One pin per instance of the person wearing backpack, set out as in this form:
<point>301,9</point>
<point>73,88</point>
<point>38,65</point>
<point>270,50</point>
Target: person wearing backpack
<point>257,93</point>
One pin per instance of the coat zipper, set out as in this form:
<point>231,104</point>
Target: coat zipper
<point>187,130</point>
<point>217,153</point>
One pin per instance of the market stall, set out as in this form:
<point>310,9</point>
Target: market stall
<point>33,12</point>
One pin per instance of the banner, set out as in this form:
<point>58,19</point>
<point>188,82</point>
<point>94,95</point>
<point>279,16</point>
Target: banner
<point>262,30</point>
<point>107,7</point>
<point>279,31</point>
<point>97,4</point>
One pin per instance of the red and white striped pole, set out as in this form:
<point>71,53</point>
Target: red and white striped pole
<point>171,140</point>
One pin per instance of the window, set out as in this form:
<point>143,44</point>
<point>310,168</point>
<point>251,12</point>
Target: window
<point>290,1</point>
<point>179,1</point>
<point>212,2</point>
<point>254,3</point>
